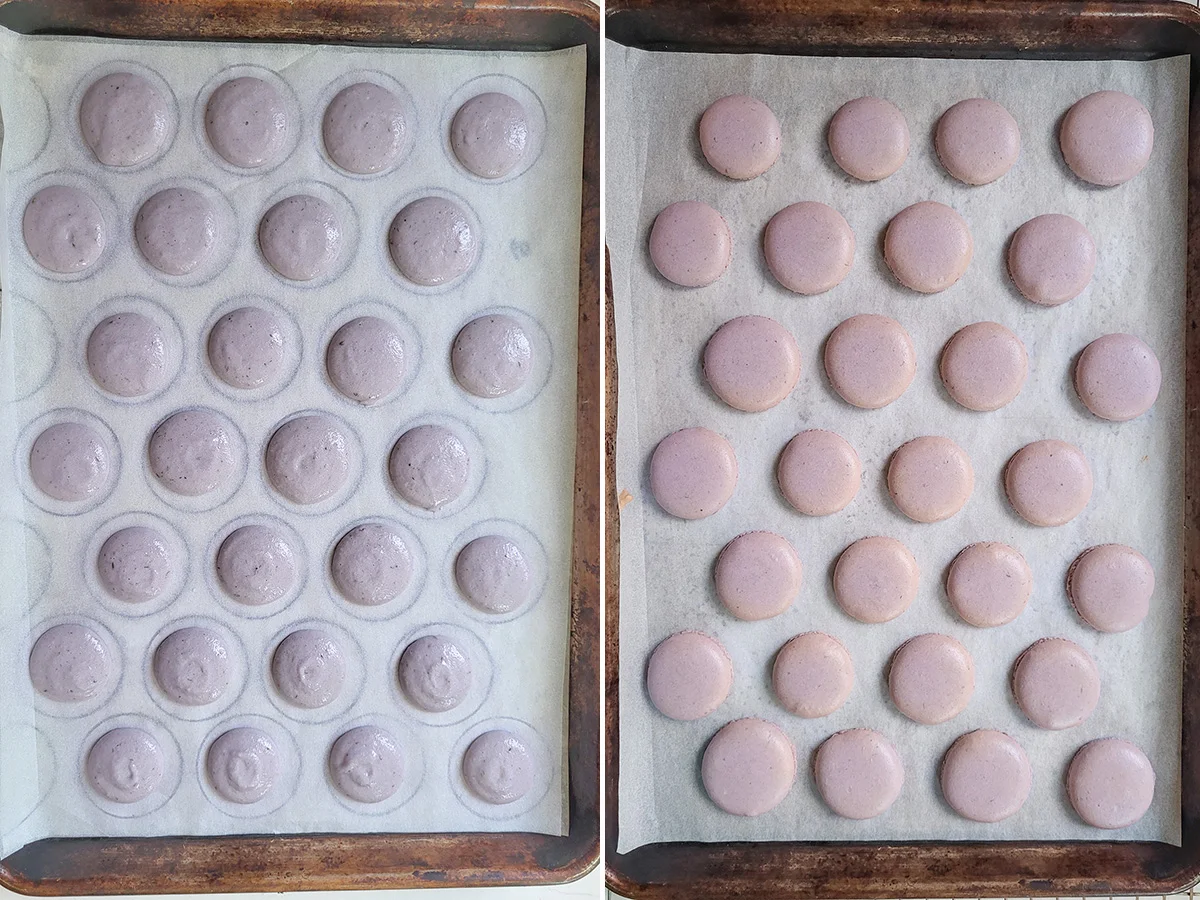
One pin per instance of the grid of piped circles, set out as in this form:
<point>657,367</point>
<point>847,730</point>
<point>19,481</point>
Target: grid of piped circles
<point>193,528</point>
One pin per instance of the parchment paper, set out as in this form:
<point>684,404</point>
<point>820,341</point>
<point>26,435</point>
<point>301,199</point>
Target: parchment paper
<point>654,103</point>
<point>523,446</point>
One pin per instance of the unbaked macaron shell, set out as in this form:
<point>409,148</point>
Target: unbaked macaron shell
<point>1110,783</point>
<point>690,244</point>
<point>688,676</point>
<point>859,773</point>
<point>809,247</point>
<point>1107,138</point>
<point>1118,377</point>
<point>1056,683</point>
<point>693,473</point>
<point>752,363</point>
<point>986,776</point>
<point>740,136</point>
<point>1110,587</point>
<point>748,767</point>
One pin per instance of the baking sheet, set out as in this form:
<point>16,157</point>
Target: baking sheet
<point>654,102</point>
<point>523,451</point>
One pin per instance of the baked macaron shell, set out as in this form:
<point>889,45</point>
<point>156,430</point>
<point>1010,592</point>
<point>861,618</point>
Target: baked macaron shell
<point>748,767</point>
<point>1110,783</point>
<point>875,579</point>
<point>813,675</point>
<point>1107,138</point>
<point>1118,377</point>
<point>740,136</point>
<point>986,776</point>
<point>758,575</point>
<point>931,678</point>
<point>1110,587</point>
<point>870,360</point>
<point>977,140</point>
<point>688,676</point>
<point>930,479</point>
<point>858,773</point>
<point>690,244</point>
<point>984,366</point>
<point>928,246</point>
<point>693,473</point>
<point>989,584</point>
<point>809,247</point>
<point>1056,684</point>
<point>1048,482</point>
<point>1051,259</point>
<point>868,137</point>
<point>819,472</point>
<point>752,363</point>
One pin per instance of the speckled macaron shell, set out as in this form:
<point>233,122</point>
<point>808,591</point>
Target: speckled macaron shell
<point>749,767</point>
<point>740,136</point>
<point>977,140</point>
<point>693,473</point>
<point>813,675</point>
<point>1056,683</point>
<point>858,773</point>
<point>752,363</point>
<point>688,676</point>
<point>870,360</point>
<point>1110,783</point>
<point>931,678</point>
<point>1048,482</point>
<point>690,244</point>
<point>986,776</point>
<point>1051,259</point>
<point>1110,587</point>
<point>984,366</point>
<point>1107,138</point>
<point>868,137</point>
<point>1118,377</point>
<point>989,584</point>
<point>930,479</point>
<point>819,472</point>
<point>928,246</point>
<point>809,247</point>
<point>758,575</point>
<point>875,579</point>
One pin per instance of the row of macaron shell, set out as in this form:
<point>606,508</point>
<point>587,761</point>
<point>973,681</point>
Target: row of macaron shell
<point>1106,138</point>
<point>179,231</point>
<point>753,363</point>
<point>250,769</point>
<point>197,668</point>
<point>125,120</point>
<point>693,473</point>
<point>367,359</point>
<point>809,249</point>
<point>261,562</point>
<point>749,767</point>
<point>199,454</point>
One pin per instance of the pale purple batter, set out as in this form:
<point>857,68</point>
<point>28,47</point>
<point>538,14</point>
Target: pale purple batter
<point>366,764</point>
<point>63,229</point>
<point>136,564</point>
<point>127,355</point>
<point>257,565</point>
<point>300,237</point>
<point>365,359</point>
<point>309,668</point>
<point>246,122</point>
<point>432,242</point>
<point>70,663</point>
<point>245,348</point>
<point>125,765</point>
<point>243,765</point>
<point>192,666</point>
<point>123,119</point>
<point>69,462</point>
<point>491,356</point>
<point>371,565</point>
<point>176,230</point>
<point>489,134</point>
<point>499,768</point>
<point>435,673</point>
<point>494,574</point>
<point>193,452</point>
<point>308,458</point>
<point>364,128</point>
<point>429,466</point>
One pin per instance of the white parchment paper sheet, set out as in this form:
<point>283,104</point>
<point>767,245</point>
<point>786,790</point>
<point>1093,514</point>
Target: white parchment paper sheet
<point>654,103</point>
<point>524,444</point>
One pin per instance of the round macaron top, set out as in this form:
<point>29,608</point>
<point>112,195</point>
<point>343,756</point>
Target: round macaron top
<point>1048,482</point>
<point>1110,587</point>
<point>758,575</point>
<point>1051,259</point>
<point>809,247</point>
<point>813,675</point>
<point>984,366</point>
<point>870,360</point>
<point>752,363</point>
<point>989,584</point>
<point>819,472</point>
<point>748,767</point>
<point>1056,683</point>
<point>931,678</point>
<point>1118,377</point>
<point>977,140</point>
<point>930,478</point>
<point>868,138</point>
<point>690,244</point>
<point>740,136</point>
<point>689,675</point>
<point>1110,783</point>
<point>928,246</point>
<point>875,579</point>
<point>986,776</point>
<point>858,773</point>
<point>693,473</point>
<point>1107,138</point>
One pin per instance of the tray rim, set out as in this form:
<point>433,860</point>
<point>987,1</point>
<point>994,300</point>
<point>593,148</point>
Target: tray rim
<point>790,869</point>
<point>340,862</point>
